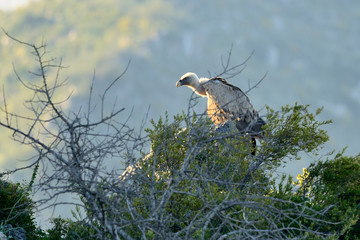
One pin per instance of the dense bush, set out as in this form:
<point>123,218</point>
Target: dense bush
<point>335,184</point>
<point>219,189</point>
<point>66,229</point>
<point>17,209</point>
<point>201,183</point>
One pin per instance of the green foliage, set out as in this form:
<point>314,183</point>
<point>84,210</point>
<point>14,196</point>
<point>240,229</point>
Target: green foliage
<point>203,169</point>
<point>335,183</point>
<point>198,183</point>
<point>17,208</point>
<point>66,229</point>
<point>292,130</point>
<point>197,167</point>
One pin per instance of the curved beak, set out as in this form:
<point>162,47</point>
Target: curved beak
<point>179,83</point>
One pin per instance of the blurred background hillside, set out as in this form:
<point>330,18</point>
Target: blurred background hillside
<point>310,50</point>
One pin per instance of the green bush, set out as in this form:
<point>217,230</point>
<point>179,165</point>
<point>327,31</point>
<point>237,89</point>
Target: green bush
<point>335,183</point>
<point>66,229</point>
<point>17,208</point>
<point>197,183</point>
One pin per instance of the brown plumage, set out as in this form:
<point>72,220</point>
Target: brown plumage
<point>225,102</point>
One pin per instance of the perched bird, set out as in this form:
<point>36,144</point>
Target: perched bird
<point>225,102</point>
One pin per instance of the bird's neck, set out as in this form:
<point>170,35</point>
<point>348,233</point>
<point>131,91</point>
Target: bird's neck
<point>198,88</point>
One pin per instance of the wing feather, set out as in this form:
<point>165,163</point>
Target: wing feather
<point>228,102</point>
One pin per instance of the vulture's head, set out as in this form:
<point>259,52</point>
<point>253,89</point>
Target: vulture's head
<point>192,81</point>
<point>188,79</point>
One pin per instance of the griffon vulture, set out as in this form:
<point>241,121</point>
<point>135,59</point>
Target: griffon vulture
<point>225,102</point>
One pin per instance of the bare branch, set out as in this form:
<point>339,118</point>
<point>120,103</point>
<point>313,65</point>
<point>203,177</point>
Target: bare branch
<point>232,71</point>
<point>102,96</point>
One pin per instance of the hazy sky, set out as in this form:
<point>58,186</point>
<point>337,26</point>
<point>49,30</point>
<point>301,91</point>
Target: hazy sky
<point>12,4</point>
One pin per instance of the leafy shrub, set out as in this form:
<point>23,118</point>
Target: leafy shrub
<point>17,208</point>
<point>335,183</point>
<point>66,229</point>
